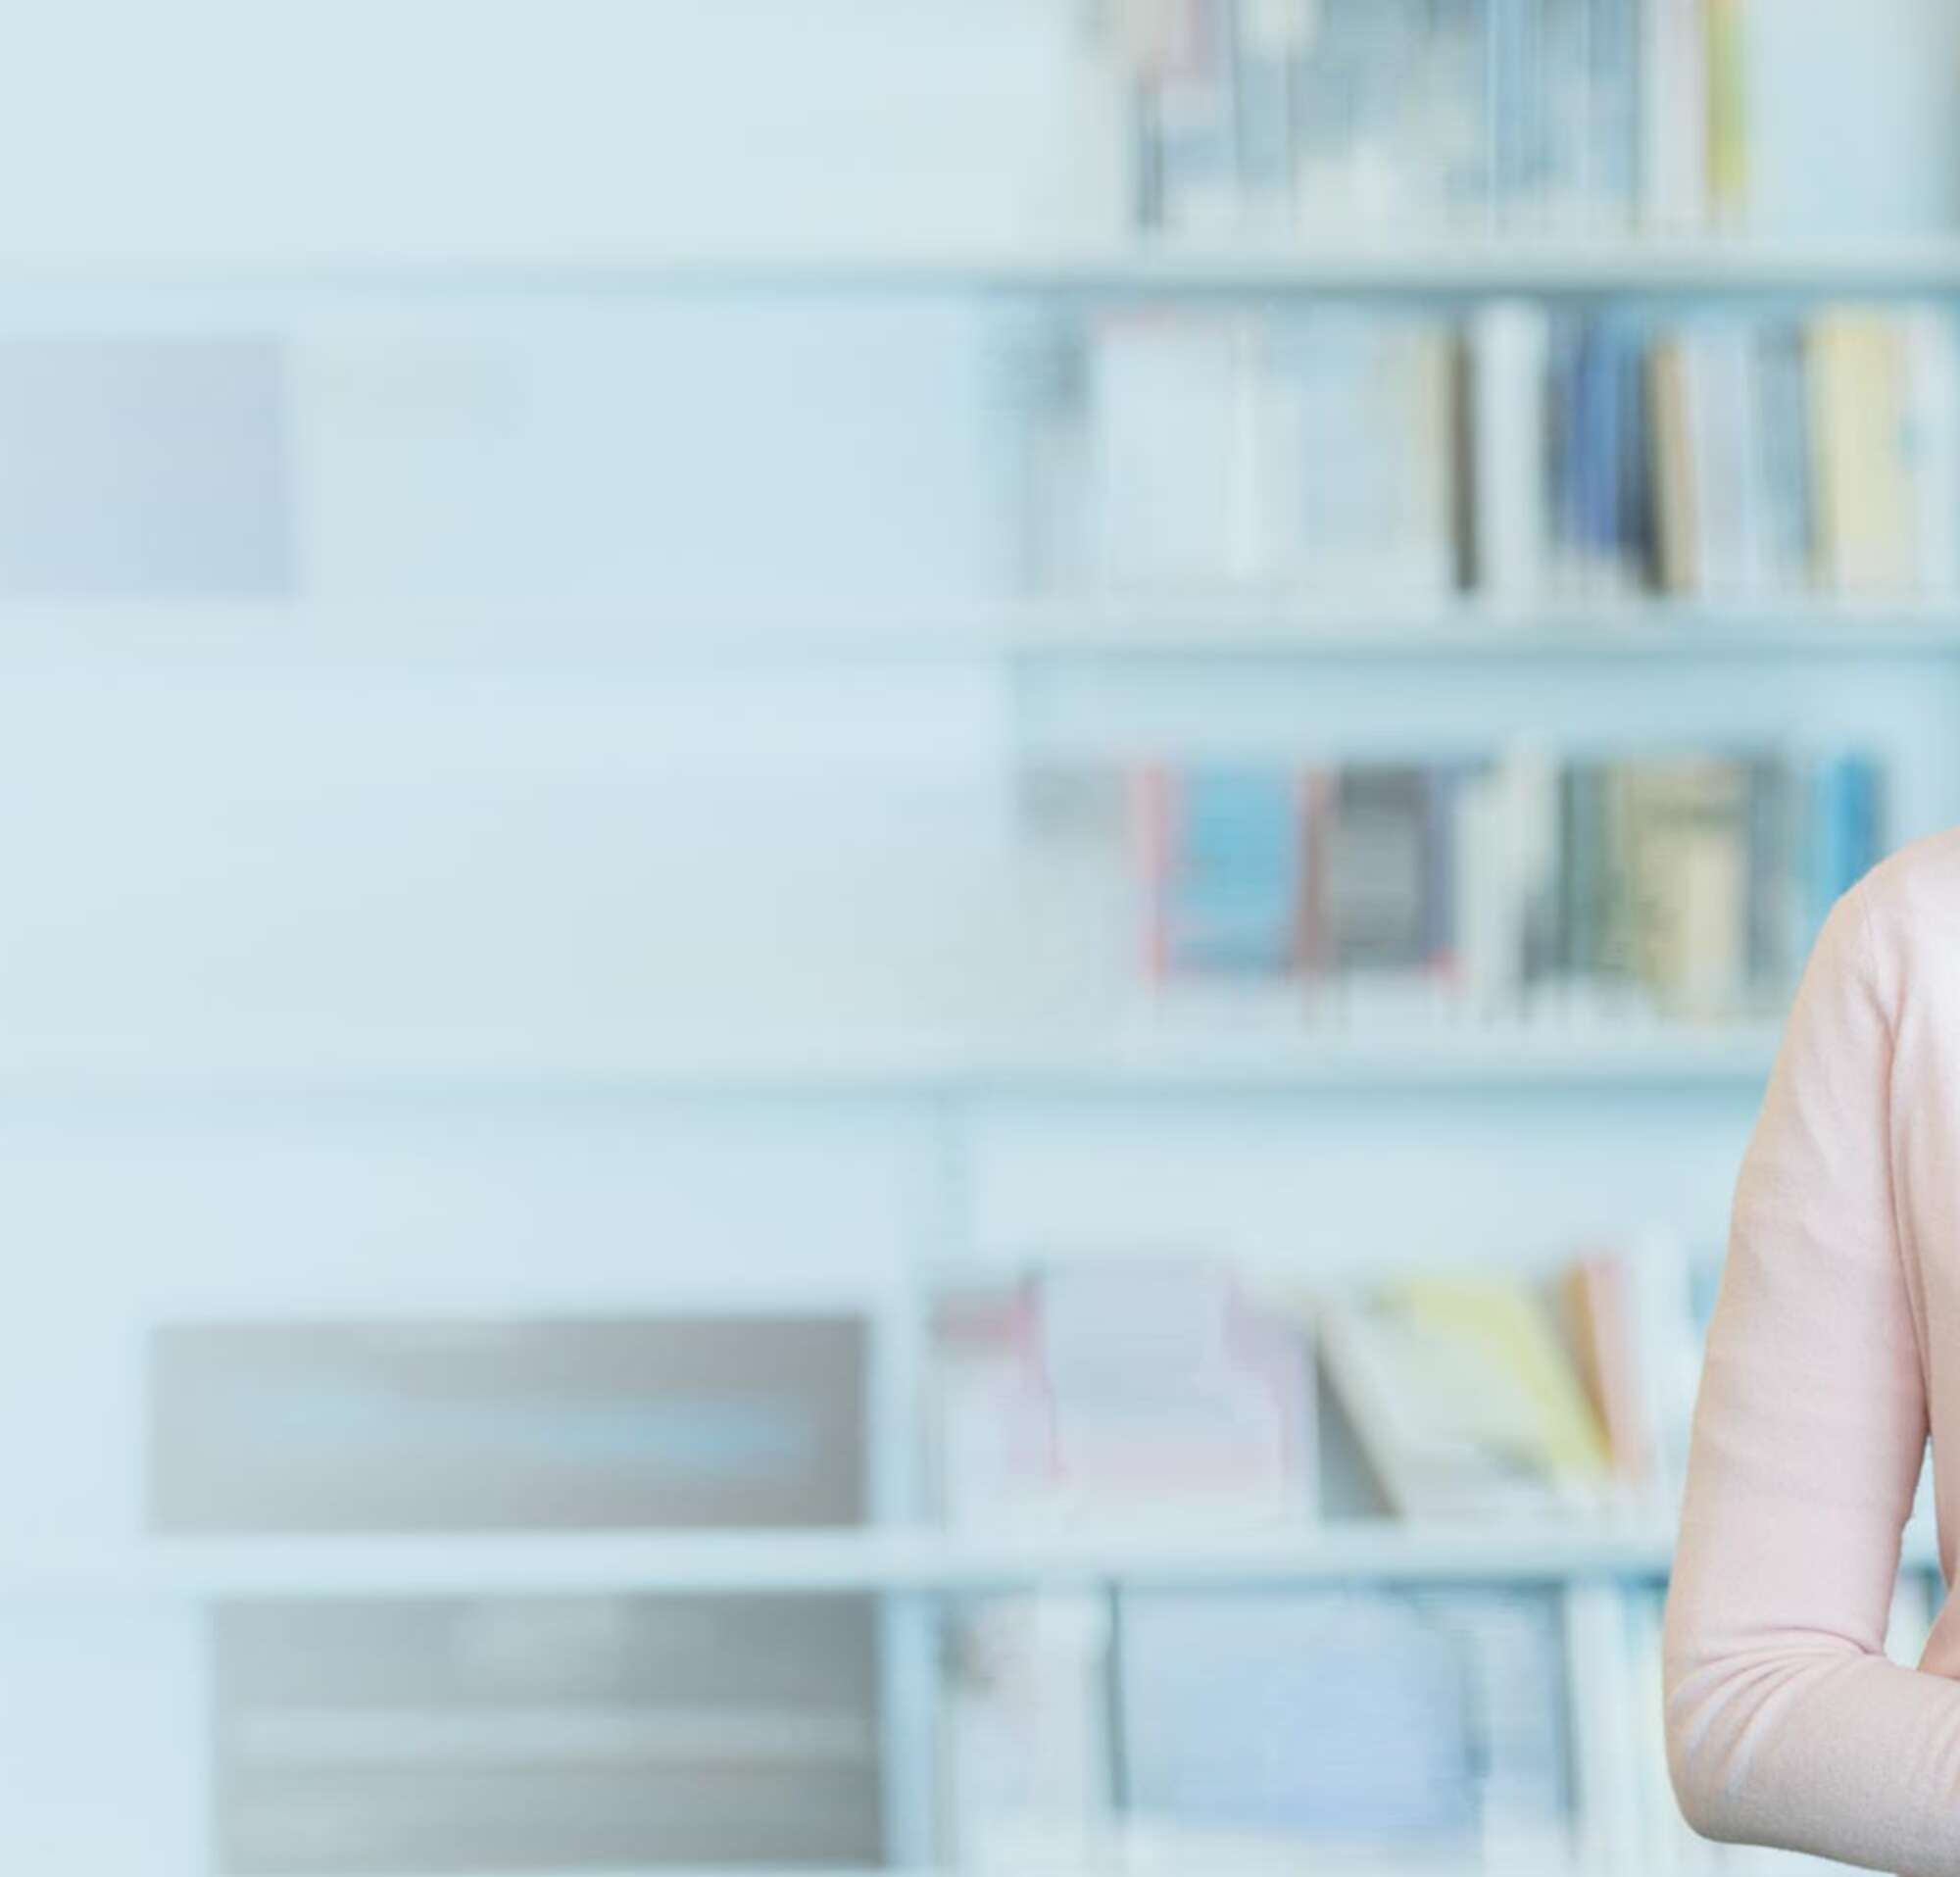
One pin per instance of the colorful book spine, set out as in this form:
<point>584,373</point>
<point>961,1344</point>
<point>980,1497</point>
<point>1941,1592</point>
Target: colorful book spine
<point>1690,886</point>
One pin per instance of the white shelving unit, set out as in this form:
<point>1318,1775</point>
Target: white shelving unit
<point>304,1168</point>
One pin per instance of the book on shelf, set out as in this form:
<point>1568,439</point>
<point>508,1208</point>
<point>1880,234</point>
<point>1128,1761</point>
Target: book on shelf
<point>446,1425</point>
<point>1677,886</point>
<point>1241,450</point>
<point>1730,457</point>
<point>1721,457</point>
<point>1024,1775</point>
<point>1464,1400</point>
<point>1504,420</point>
<point>358,1736</point>
<point>1254,1728</point>
<point>1881,405</point>
<point>1313,115</point>
<point>1154,1390</point>
<point>1596,1294</point>
<point>1115,1387</point>
<point>1388,1726</point>
<point>1559,1391</point>
<point>1354,1728</point>
<point>1597,478</point>
<point>1486,1394</point>
<point>1353,1723</point>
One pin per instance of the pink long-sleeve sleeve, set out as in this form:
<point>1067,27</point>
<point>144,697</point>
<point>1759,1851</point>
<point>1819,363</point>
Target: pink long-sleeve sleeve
<point>1786,1723</point>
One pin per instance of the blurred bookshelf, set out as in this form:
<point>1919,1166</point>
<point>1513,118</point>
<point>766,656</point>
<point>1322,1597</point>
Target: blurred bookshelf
<point>1449,605</point>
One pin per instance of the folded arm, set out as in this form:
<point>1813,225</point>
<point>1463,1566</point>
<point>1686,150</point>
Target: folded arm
<point>1786,1723</point>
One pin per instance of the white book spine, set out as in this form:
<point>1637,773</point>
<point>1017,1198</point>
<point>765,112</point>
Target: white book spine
<point>1668,1353</point>
<point>1489,909</point>
<point>1729,522</point>
<point>1663,1838</point>
<point>1508,348</point>
<point>1428,466</point>
<point>1934,407</point>
<point>1742,383</point>
<point>1674,139</point>
<point>1603,1721</point>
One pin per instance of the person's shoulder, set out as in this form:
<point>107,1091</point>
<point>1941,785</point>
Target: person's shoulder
<point>1909,904</point>
<point>1922,876</point>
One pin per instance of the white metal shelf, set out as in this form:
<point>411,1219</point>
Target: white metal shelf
<point>1160,1859</point>
<point>1143,1060</point>
<point>443,634</point>
<point>1168,1061</point>
<point>1156,1860</point>
<point>1096,264</point>
<point>883,1561</point>
<point>1612,630</point>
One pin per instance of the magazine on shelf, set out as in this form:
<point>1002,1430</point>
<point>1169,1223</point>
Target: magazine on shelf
<point>360,1737</point>
<point>1124,1387</point>
<point>536,1423</point>
<point>1024,1763</point>
<point>1464,1400</point>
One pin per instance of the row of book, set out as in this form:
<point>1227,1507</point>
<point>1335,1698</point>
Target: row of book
<point>1356,453</point>
<point>1737,458</point>
<point>1347,1729</point>
<point>1679,886</point>
<point>1253,1730</point>
<point>1518,114</point>
<point>1146,1732</point>
<point>1369,1727</point>
<point>1174,1387</point>
<point>1341,453</point>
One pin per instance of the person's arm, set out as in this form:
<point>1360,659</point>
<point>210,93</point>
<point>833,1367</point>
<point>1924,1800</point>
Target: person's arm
<point>1786,1723</point>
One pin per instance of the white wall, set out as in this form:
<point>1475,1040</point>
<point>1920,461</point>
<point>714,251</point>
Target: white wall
<point>512,129</point>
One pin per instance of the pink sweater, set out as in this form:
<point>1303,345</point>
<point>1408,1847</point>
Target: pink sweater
<point>1835,1343</point>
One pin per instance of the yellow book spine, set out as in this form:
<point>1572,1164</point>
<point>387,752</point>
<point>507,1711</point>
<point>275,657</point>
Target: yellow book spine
<point>1728,111</point>
<point>1512,1328</point>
